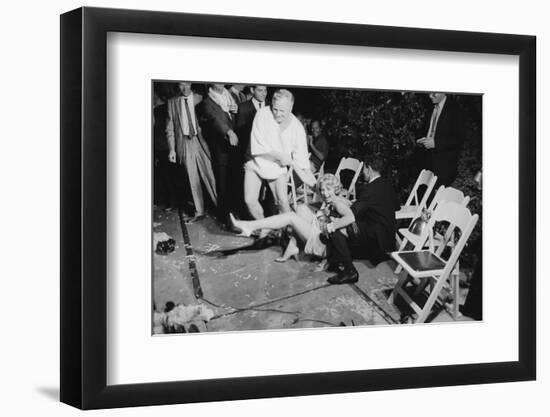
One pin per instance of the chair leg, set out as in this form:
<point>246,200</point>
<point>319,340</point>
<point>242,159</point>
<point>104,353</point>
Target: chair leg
<point>399,284</point>
<point>401,247</point>
<point>430,301</point>
<point>398,239</point>
<point>455,276</point>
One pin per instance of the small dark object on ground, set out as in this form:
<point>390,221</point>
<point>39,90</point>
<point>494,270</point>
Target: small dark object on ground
<point>165,247</point>
<point>193,329</point>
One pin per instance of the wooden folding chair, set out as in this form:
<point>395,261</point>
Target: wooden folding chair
<point>414,204</point>
<point>353,165</point>
<point>429,263</point>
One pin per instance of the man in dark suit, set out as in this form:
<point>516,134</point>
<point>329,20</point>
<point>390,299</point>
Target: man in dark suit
<point>236,91</point>
<point>245,115</point>
<point>217,120</point>
<point>372,235</point>
<point>443,140</point>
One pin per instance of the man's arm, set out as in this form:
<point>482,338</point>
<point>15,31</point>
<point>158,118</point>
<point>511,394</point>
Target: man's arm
<point>261,138</point>
<point>305,175</point>
<point>300,156</point>
<point>277,157</point>
<point>221,124</point>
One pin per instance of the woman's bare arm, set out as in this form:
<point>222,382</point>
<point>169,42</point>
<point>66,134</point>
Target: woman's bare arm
<point>345,211</point>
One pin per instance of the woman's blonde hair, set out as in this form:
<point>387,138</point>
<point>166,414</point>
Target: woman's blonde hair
<point>330,180</point>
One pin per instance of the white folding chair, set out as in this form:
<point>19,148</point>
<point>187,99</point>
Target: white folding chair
<point>302,193</point>
<point>310,193</point>
<point>353,165</point>
<point>414,204</point>
<point>292,188</point>
<point>443,194</point>
<point>429,263</point>
<point>321,171</point>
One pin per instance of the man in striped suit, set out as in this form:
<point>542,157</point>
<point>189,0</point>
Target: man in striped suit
<point>188,149</point>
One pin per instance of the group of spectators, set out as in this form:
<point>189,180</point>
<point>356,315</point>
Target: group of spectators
<point>233,148</point>
<point>209,152</point>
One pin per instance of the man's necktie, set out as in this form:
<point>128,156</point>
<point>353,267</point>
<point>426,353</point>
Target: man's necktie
<point>433,121</point>
<point>189,119</point>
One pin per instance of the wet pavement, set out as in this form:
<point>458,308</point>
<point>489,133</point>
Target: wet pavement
<point>248,290</point>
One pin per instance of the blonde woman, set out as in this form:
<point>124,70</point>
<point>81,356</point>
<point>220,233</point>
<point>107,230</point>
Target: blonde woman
<point>308,226</point>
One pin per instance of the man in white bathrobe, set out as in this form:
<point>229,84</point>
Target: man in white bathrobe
<point>277,142</point>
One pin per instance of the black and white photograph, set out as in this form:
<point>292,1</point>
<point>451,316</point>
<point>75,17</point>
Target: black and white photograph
<point>243,208</point>
<point>293,207</point>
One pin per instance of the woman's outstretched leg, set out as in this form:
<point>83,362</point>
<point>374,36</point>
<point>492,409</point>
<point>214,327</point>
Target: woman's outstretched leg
<point>306,216</point>
<point>301,227</point>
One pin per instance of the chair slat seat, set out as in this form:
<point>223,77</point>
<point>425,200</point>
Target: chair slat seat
<point>420,264</point>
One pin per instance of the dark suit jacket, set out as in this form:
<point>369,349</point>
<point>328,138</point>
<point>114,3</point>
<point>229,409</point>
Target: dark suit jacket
<point>245,117</point>
<point>448,139</point>
<point>215,124</point>
<point>238,97</point>
<point>160,113</point>
<point>374,213</point>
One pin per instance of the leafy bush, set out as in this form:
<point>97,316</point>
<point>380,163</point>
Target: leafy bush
<point>384,123</point>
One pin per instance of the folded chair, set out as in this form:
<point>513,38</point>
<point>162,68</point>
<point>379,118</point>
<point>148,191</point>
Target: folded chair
<point>429,263</point>
<point>353,165</point>
<point>414,204</point>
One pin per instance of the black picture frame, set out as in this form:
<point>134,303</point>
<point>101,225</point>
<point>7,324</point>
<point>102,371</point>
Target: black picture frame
<point>84,207</point>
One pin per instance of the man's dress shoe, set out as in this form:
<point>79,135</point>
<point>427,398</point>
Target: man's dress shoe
<point>344,277</point>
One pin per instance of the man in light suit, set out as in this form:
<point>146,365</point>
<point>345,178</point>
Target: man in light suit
<point>188,149</point>
<point>444,138</point>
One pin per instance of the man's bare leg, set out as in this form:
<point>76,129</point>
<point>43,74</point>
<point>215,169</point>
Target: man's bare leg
<point>252,187</point>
